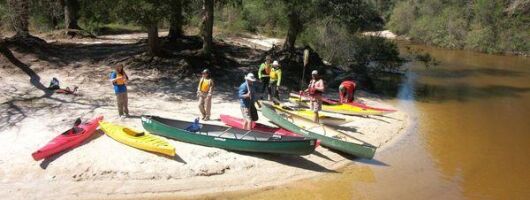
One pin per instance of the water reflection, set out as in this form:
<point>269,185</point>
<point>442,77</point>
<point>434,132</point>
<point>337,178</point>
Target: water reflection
<point>475,124</point>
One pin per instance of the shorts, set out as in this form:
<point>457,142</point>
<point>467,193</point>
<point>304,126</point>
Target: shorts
<point>245,112</point>
<point>316,105</point>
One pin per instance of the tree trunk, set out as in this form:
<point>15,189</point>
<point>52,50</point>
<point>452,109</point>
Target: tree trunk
<point>19,17</point>
<point>152,40</point>
<point>207,26</point>
<point>176,21</point>
<point>292,31</point>
<point>71,8</point>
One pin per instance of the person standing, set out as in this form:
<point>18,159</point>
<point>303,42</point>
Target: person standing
<point>119,80</point>
<point>275,80</point>
<point>263,75</point>
<point>315,90</point>
<point>347,91</point>
<point>246,95</point>
<point>204,92</point>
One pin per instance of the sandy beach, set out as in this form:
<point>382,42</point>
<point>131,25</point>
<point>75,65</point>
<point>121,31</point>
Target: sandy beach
<point>104,168</point>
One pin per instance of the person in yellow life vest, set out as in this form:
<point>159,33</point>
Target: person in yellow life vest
<point>204,92</point>
<point>275,80</point>
<point>264,75</point>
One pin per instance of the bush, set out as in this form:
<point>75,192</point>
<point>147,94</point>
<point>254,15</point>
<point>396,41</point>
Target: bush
<point>402,17</point>
<point>483,25</point>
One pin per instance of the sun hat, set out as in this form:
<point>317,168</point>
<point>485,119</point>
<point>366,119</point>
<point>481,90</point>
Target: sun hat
<point>275,63</point>
<point>206,71</point>
<point>250,77</point>
<point>314,72</point>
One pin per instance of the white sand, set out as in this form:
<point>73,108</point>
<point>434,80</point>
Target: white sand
<point>104,168</point>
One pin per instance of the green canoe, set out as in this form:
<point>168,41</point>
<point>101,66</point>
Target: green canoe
<point>328,137</point>
<point>229,138</point>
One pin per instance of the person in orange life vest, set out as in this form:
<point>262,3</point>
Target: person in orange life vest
<point>315,90</point>
<point>119,80</point>
<point>347,91</point>
<point>204,92</point>
<point>275,80</point>
<point>263,75</point>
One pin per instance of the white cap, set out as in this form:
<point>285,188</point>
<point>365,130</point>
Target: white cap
<point>250,77</point>
<point>275,63</point>
<point>314,72</point>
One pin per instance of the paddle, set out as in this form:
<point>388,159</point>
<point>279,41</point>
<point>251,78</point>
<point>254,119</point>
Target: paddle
<point>306,61</point>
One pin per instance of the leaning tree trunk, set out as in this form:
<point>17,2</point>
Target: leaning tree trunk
<point>71,8</point>
<point>207,26</point>
<point>153,48</point>
<point>176,21</point>
<point>19,17</point>
<point>293,30</point>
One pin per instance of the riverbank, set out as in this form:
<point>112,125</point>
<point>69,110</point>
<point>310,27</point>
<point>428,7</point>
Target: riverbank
<point>104,168</point>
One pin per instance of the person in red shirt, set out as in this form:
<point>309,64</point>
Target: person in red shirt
<point>347,91</point>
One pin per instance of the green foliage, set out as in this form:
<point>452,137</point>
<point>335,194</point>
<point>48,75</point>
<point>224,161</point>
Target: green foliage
<point>403,16</point>
<point>3,14</point>
<point>483,25</point>
<point>335,43</point>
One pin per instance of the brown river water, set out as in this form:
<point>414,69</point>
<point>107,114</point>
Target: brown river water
<point>469,138</point>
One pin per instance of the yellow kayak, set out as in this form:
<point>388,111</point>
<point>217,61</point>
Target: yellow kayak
<point>137,139</point>
<point>308,114</point>
<point>340,108</point>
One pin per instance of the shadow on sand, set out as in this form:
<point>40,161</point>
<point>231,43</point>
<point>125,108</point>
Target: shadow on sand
<point>290,160</point>
<point>44,164</point>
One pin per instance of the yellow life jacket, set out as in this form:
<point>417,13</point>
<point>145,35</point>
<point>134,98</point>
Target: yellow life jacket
<point>274,74</point>
<point>204,85</point>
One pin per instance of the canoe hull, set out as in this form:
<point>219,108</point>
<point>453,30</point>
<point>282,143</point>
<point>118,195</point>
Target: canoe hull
<point>359,150</point>
<point>354,105</point>
<point>345,109</point>
<point>65,142</point>
<point>145,142</point>
<point>297,147</point>
<point>323,118</point>
<point>238,123</point>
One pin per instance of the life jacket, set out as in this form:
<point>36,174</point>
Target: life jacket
<point>274,74</point>
<point>312,87</point>
<point>204,85</point>
<point>267,69</point>
<point>54,84</point>
<point>120,79</point>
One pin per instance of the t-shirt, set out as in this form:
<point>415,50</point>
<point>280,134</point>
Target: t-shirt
<point>118,88</point>
<point>243,89</point>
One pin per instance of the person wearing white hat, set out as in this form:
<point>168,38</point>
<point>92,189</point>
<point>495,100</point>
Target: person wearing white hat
<point>247,98</point>
<point>275,80</point>
<point>204,92</point>
<point>315,90</point>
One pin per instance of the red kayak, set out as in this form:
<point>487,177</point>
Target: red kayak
<point>238,123</point>
<point>68,139</point>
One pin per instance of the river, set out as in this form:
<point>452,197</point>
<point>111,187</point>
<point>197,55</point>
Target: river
<point>470,137</point>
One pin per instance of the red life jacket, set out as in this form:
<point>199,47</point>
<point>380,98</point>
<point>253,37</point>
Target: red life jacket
<point>313,85</point>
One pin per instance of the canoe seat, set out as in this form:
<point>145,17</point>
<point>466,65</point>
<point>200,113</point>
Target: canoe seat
<point>133,133</point>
